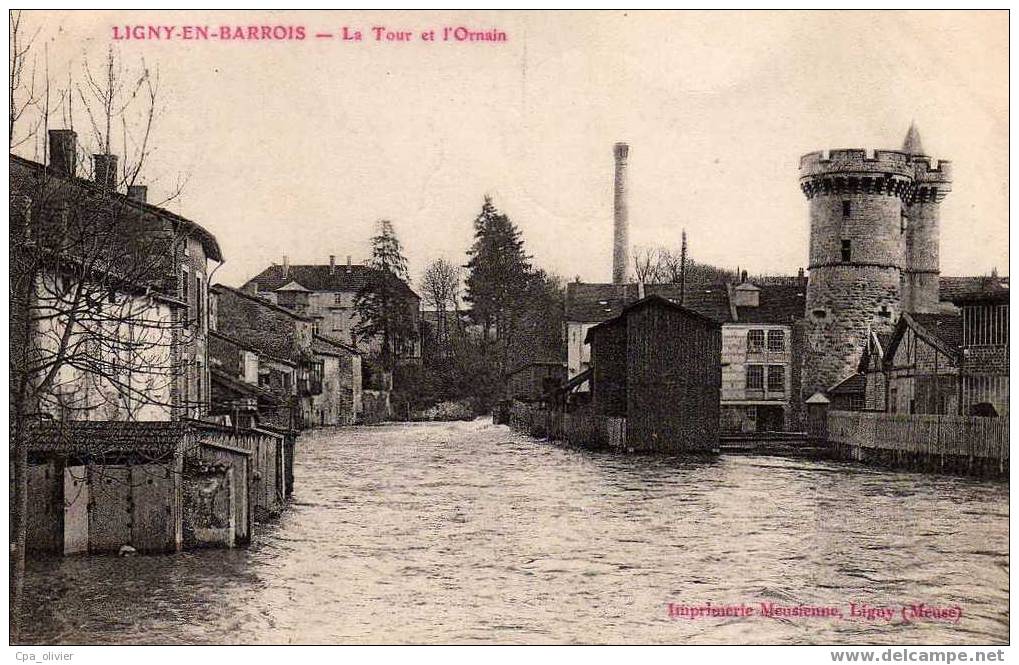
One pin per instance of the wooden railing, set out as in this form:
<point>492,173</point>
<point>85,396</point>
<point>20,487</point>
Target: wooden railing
<point>931,435</point>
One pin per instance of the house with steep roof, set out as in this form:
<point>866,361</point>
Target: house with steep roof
<point>325,293</point>
<point>921,364</point>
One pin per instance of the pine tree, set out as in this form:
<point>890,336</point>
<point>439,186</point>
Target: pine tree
<point>382,308</point>
<point>497,272</point>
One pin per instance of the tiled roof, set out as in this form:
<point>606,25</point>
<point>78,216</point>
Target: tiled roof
<point>960,289</point>
<point>946,327</point>
<point>208,240</point>
<point>857,383</point>
<point>103,437</point>
<point>331,347</point>
<point>341,278</point>
<point>243,387</point>
<point>229,290</point>
<point>778,303</point>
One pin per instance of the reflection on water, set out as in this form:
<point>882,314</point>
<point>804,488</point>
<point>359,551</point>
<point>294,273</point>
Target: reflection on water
<point>468,532</point>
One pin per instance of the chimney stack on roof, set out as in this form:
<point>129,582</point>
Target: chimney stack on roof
<point>348,264</point>
<point>104,169</point>
<point>286,266</point>
<point>64,151</point>
<point>332,264</point>
<point>620,238</point>
<point>138,193</point>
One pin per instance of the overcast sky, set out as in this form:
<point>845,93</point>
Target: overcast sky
<point>298,147</point>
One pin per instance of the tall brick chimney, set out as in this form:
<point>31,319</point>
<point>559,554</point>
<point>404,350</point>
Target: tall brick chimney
<point>64,151</point>
<point>105,171</point>
<point>620,235</point>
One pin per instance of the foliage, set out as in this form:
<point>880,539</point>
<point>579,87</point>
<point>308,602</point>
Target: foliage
<point>384,312</point>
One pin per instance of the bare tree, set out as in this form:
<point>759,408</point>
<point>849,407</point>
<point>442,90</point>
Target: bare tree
<point>441,285</point>
<point>647,264</point>
<point>96,326</point>
<point>23,95</point>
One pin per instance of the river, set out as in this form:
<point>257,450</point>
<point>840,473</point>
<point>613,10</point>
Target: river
<point>468,532</point>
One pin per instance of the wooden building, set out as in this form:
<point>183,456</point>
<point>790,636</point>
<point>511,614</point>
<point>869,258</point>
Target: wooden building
<point>532,381</point>
<point>658,365</point>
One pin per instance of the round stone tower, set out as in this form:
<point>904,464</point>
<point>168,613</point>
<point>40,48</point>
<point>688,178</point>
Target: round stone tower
<point>873,250</point>
<point>922,242</point>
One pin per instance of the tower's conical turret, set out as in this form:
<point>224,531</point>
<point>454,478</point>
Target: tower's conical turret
<point>912,143</point>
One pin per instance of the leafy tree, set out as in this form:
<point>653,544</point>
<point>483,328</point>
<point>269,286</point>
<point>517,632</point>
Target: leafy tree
<point>383,309</point>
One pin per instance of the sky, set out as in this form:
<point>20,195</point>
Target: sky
<point>298,147</point>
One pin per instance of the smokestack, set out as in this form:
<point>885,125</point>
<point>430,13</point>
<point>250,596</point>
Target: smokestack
<point>64,151</point>
<point>620,237</point>
<point>332,264</point>
<point>138,193</point>
<point>105,171</point>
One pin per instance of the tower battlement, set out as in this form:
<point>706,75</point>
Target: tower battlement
<point>889,172</point>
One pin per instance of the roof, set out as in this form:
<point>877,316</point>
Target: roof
<point>223,288</point>
<point>342,278</point>
<point>818,398</point>
<point>593,303</point>
<point>208,240</point>
<point>248,347</point>
<point>780,301</point>
<point>973,289</point>
<point>536,363</point>
<point>243,387</point>
<point>293,286</point>
<point>947,327</point>
<point>851,385</point>
<point>777,303</point>
<point>882,340</point>
<point>648,301</point>
<point>331,347</point>
<point>102,437</point>
<point>942,331</point>
<point>912,143</point>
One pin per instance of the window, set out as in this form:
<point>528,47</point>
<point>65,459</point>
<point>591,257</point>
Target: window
<point>903,222</point>
<point>847,251</point>
<point>884,312</point>
<point>755,340</point>
<point>755,377</point>
<point>199,305</point>
<point>184,281</point>
<point>847,208</point>
<point>819,313</point>
<point>338,299</point>
<point>776,340</point>
<point>776,378</point>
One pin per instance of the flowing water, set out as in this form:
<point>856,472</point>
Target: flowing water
<point>468,532</point>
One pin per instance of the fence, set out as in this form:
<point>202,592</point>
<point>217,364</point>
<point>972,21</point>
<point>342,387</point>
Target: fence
<point>947,442</point>
<point>582,429</point>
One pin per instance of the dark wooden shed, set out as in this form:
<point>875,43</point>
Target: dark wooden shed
<point>658,365</point>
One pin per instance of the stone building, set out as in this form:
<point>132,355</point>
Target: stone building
<point>275,332</point>
<point>874,233</point>
<point>340,401</point>
<point>325,294</point>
